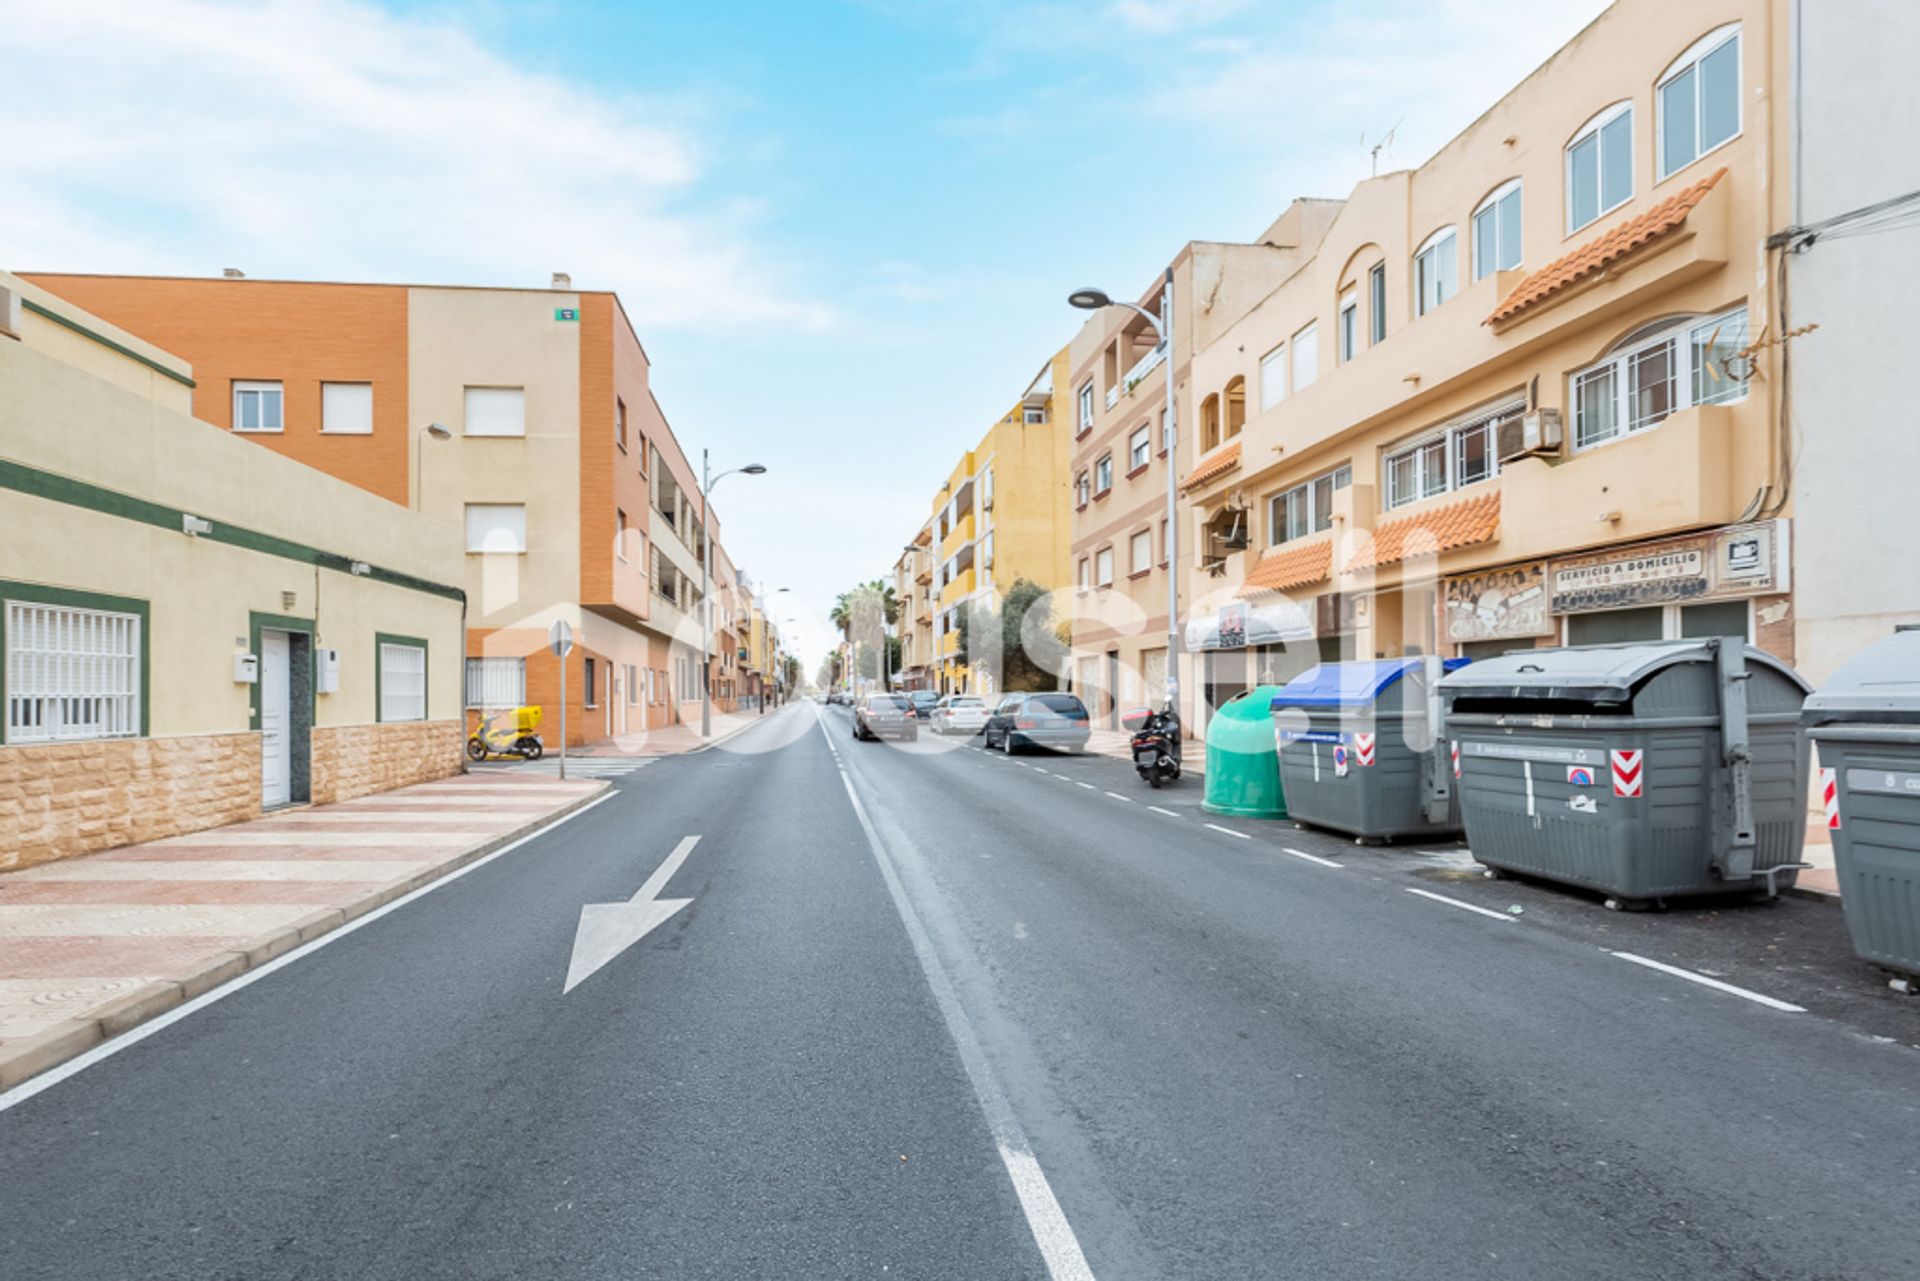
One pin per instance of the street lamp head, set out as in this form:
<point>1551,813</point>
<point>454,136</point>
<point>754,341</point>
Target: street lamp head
<point>439,431</point>
<point>754,469</point>
<point>1090,299</point>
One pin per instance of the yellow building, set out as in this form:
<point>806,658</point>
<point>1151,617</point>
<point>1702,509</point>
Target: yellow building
<point>1001,516</point>
<point>192,628</point>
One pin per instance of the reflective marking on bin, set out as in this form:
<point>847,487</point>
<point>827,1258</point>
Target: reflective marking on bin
<point>1830,789</point>
<point>1456,760</point>
<point>1363,748</point>
<point>1629,776</point>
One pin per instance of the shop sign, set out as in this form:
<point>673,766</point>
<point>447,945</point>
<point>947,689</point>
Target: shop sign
<point>1498,604</point>
<point>1741,560</point>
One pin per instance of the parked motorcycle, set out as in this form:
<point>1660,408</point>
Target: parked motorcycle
<point>1156,744</point>
<point>508,733</point>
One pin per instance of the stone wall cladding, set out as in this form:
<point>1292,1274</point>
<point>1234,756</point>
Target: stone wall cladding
<point>358,760</point>
<point>62,799</point>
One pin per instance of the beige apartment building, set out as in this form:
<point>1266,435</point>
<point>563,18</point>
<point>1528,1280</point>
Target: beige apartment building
<point>1508,398</point>
<point>523,418</point>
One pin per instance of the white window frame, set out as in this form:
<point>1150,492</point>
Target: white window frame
<point>495,683</point>
<point>331,419</point>
<point>1084,576</point>
<point>1307,337</point>
<point>487,428</point>
<point>1377,304</point>
<point>73,672</point>
<point>1084,398</point>
<point>517,527</point>
<point>1102,474</point>
<point>1696,54</point>
<point>259,389</point>
<point>1273,377</point>
<point>1493,207</point>
<point>1347,327</point>
<point>1683,336</point>
<point>1140,447</point>
<point>1134,560</point>
<point>1426,261</point>
<point>408,702</point>
<point>1103,567</point>
<point>1592,129</point>
<point>1279,526</point>
<point>1437,455</point>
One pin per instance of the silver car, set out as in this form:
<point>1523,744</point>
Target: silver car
<point>958,714</point>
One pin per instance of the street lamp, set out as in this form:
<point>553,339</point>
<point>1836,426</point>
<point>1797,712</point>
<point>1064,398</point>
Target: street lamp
<point>1094,300</point>
<point>707,482</point>
<point>439,431</point>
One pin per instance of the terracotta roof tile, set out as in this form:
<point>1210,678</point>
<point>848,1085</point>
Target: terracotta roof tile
<point>1461,524</point>
<point>1596,254</point>
<point>1217,464</point>
<point>1290,567</point>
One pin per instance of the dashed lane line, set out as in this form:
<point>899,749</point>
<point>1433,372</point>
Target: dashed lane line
<point>1771,1003</point>
<point>1311,858</point>
<point>1169,813</point>
<point>1454,902</point>
<point>1245,836</point>
<point>1116,796</point>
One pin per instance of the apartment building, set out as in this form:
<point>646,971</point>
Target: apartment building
<point>1000,517</point>
<point>522,417</point>
<point>1115,394</point>
<point>1510,399</point>
<point>193,630</point>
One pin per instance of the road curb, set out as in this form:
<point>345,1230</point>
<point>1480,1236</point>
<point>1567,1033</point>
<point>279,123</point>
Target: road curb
<point>1812,895</point>
<point>49,1049</point>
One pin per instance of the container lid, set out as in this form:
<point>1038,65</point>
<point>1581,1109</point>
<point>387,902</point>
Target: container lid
<point>1594,673</point>
<point>1251,705</point>
<point>1879,684</point>
<point>1350,684</point>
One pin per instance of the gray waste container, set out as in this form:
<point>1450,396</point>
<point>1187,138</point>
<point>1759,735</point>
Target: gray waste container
<point>1866,721</point>
<point>1343,731</point>
<point>1644,771</point>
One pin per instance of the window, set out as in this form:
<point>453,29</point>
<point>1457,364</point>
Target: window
<point>496,527</point>
<point>1086,406</point>
<point>1033,415</point>
<point>1349,324</point>
<point>346,409</point>
<point>620,534</point>
<point>587,689</point>
<point>633,684</point>
<point>1496,231</point>
<point>403,681</point>
<point>1306,508</point>
<point>1699,100</point>
<point>1139,448</point>
<point>1436,270</point>
<point>496,411</point>
<point>257,406</point>
<point>1306,357</point>
<point>1103,474</point>
<point>986,550</point>
<point>1377,301</point>
<point>1273,377</point>
<point>1657,373</point>
<point>1453,458</point>
<point>1600,166</point>
<point>496,682</point>
<point>1085,575</point>
<point>986,489</point>
<point>72,672</point>
<point>1082,490</point>
<point>620,423</point>
<point>1103,567</point>
<point>1141,551</point>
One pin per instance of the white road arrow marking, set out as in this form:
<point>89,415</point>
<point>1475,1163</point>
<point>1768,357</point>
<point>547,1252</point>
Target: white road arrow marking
<point>608,929</point>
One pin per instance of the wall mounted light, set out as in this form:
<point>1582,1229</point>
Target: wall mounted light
<point>359,569</point>
<point>194,526</point>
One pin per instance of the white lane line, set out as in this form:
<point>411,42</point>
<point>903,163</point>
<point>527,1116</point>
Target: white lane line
<point>1768,1001</point>
<point>1059,1247</point>
<point>1169,813</point>
<point>126,1040</point>
<point>1312,858</point>
<point>1116,796</point>
<point>1454,902</point>
<point>1089,786</point>
<point>1230,832</point>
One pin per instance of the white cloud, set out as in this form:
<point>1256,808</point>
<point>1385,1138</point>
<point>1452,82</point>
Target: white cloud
<point>332,138</point>
<point>1163,17</point>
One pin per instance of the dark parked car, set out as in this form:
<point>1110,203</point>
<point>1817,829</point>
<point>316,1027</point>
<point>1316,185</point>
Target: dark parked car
<point>1056,721</point>
<point>885,716</point>
<point>923,701</point>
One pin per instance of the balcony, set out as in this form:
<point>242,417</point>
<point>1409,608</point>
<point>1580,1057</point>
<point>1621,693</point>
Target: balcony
<point>961,535</point>
<point>959,588</point>
<point>950,644</point>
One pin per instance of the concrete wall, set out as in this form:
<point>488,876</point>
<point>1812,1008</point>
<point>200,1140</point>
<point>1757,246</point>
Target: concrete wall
<point>1855,98</point>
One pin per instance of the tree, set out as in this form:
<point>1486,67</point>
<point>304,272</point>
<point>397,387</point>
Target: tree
<point>863,615</point>
<point>1017,638</point>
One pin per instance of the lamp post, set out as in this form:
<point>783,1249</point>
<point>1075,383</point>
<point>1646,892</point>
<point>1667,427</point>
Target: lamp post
<point>707,482</point>
<point>1094,300</point>
<point>439,431</point>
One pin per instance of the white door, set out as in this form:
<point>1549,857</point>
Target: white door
<point>276,743</point>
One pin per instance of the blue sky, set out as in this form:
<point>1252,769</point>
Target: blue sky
<point>845,230</point>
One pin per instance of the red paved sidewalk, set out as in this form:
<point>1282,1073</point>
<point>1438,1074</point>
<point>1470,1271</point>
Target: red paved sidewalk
<point>91,946</point>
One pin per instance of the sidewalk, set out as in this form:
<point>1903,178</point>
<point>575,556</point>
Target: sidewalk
<point>94,945</point>
<point>1118,743</point>
<point>671,740</point>
<point>1821,880</point>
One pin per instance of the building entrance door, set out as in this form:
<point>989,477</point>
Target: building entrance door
<point>276,730</point>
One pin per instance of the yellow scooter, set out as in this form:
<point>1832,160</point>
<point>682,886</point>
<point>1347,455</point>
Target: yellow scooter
<point>507,734</point>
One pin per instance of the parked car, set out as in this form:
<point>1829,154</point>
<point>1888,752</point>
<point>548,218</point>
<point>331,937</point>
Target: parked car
<point>885,716</point>
<point>959,714</point>
<point>1054,721</point>
<point>924,701</point>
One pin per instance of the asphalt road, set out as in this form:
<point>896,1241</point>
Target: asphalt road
<point>933,1013</point>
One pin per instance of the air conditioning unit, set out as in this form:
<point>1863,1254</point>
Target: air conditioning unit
<point>986,503</point>
<point>1533,435</point>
